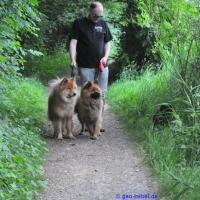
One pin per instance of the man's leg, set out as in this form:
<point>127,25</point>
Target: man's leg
<point>103,80</point>
<point>103,83</point>
<point>86,74</point>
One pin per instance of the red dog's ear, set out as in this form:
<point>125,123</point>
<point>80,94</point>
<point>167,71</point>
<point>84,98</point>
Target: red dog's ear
<point>73,78</point>
<point>64,81</point>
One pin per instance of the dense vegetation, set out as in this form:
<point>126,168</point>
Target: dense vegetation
<point>23,109</point>
<point>155,56</point>
<point>172,151</point>
<point>22,106</point>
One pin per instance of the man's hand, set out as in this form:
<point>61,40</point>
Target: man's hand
<point>74,63</point>
<point>107,51</point>
<point>104,60</point>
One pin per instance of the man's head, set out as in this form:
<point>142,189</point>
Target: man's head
<point>95,11</point>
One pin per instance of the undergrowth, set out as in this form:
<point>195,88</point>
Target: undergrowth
<point>22,113</point>
<point>49,65</point>
<point>173,152</point>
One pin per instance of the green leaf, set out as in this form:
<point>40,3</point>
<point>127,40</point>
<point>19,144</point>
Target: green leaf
<point>33,2</point>
<point>18,159</point>
<point>35,52</point>
<point>2,59</point>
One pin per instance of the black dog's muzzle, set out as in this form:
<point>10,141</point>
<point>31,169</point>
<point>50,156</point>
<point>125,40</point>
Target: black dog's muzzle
<point>95,95</point>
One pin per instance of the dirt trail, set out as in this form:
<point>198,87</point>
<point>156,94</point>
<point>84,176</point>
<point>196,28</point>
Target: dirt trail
<point>105,169</point>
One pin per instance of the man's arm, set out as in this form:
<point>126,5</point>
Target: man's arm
<point>107,52</point>
<point>72,51</point>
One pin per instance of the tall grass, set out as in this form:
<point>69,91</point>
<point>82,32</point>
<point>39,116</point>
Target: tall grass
<point>22,113</point>
<point>172,151</point>
<point>138,98</point>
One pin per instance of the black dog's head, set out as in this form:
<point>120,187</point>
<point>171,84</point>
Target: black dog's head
<point>163,116</point>
<point>95,95</point>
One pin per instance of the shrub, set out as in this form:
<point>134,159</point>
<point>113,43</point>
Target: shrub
<point>48,66</point>
<point>24,101</point>
<point>21,171</point>
<point>173,151</point>
<point>22,113</point>
<point>138,97</point>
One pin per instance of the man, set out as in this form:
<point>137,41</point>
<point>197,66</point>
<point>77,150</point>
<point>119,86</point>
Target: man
<point>90,46</point>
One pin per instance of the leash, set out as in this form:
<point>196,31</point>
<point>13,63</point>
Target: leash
<point>74,71</point>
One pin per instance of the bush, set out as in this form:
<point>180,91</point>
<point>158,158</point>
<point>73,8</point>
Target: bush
<point>24,101</point>
<point>22,113</point>
<point>21,168</point>
<point>138,97</point>
<point>172,151</point>
<point>48,66</point>
<point>165,151</point>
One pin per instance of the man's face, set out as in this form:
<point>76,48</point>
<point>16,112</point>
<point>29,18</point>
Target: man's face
<point>96,14</point>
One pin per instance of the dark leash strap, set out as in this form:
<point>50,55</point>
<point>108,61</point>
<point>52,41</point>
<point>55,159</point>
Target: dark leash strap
<point>74,71</point>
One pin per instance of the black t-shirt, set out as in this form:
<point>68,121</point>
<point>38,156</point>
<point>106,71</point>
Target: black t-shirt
<point>91,39</point>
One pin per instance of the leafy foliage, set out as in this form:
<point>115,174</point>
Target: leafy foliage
<point>20,92</point>
<point>48,66</point>
<point>55,25</point>
<point>113,14</point>
<point>136,41</point>
<point>17,18</point>
<point>22,105</point>
<point>23,111</point>
<point>173,151</point>
<point>21,173</point>
<point>175,24</point>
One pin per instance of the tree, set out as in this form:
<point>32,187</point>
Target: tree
<point>17,18</point>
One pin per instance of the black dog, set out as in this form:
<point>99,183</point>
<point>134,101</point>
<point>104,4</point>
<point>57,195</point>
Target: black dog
<point>163,116</point>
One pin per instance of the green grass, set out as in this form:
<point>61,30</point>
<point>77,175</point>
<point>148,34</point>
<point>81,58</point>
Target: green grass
<point>165,156</point>
<point>139,99</point>
<point>173,152</point>
<point>48,66</point>
<point>22,113</point>
<point>25,100</point>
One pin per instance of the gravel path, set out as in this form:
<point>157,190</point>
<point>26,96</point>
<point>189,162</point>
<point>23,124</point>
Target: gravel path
<point>106,169</point>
